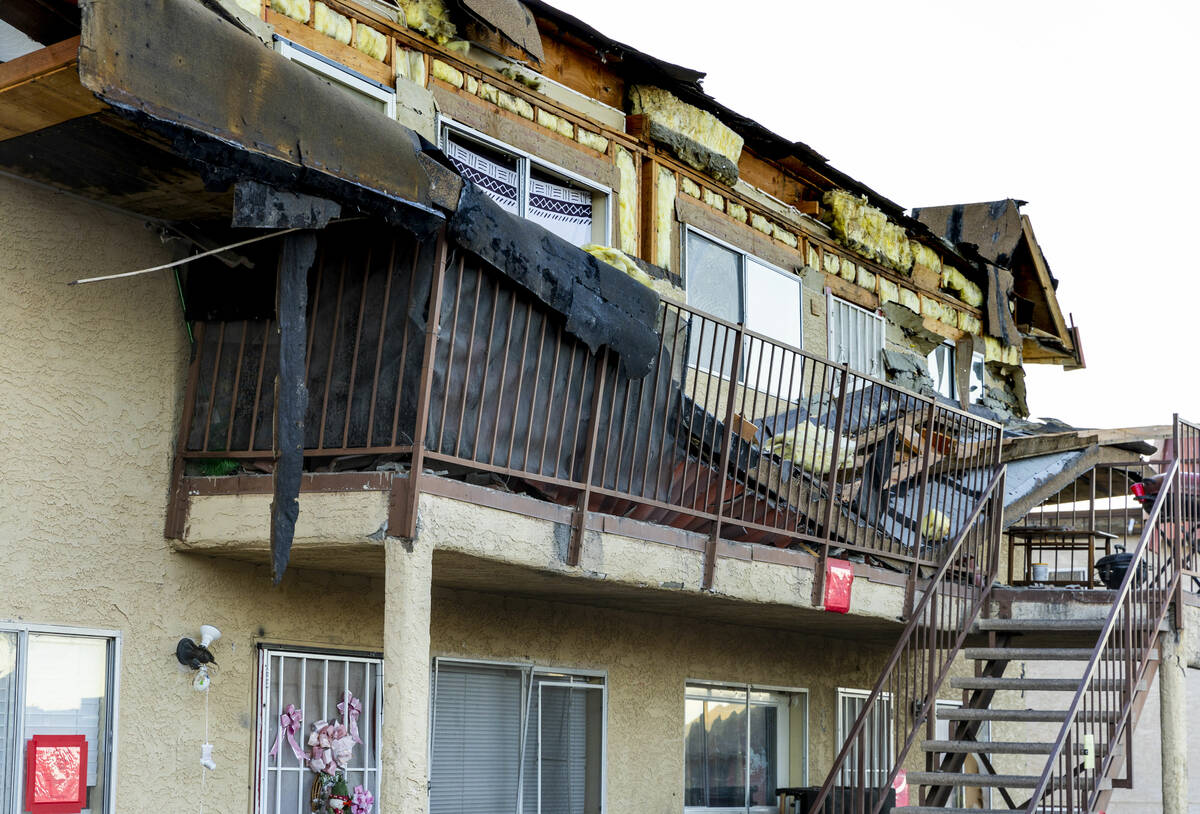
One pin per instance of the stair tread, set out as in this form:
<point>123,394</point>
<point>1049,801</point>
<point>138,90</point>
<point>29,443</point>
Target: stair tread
<point>1039,653</point>
<point>1042,684</point>
<point>1023,715</point>
<point>1041,624</point>
<point>1014,781</point>
<point>990,747</point>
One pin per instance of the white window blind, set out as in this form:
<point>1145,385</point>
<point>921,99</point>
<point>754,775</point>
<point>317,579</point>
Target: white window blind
<point>855,336</point>
<point>509,739</point>
<point>314,683</point>
<point>876,736</point>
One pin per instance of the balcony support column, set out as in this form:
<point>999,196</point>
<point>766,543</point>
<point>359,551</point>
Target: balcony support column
<point>1173,717</point>
<point>404,738</point>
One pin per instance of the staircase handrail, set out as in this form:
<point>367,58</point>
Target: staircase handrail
<point>922,633</point>
<point>1123,610</point>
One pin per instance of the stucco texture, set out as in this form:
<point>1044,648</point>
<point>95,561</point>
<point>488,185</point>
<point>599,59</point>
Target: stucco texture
<point>91,379</point>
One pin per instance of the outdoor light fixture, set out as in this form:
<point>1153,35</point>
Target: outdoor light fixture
<point>197,656</point>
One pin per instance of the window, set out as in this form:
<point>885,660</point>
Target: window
<point>740,744</point>
<point>877,733</point>
<point>515,738</point>
<point>943,370</point>
<point>315,683</point>
<point>740,288</point>
<point>353,84</point>
<point>57,681</point>
<point>564,203</point>
<point>855,336</point>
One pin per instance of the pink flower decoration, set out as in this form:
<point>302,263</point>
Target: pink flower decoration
<point>362,801</point>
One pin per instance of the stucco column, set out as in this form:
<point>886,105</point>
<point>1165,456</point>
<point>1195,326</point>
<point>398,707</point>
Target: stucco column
<point>1173,713</point>
<point>405,735</point>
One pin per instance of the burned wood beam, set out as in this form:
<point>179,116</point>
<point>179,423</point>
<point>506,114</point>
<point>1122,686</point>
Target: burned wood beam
<point>262,206</point>
<point>291,394</point>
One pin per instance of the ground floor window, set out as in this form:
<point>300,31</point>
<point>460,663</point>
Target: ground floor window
<point>315,685</point>
<point>516,738</point>
<point>57,682</point>
<point>877,758</point>
<point>741,742</point>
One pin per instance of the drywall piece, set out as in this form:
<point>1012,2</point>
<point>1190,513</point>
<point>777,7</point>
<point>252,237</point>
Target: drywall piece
<point>447,73</point>
<point>664,216</point>
<point>331,24</point>
<point>627,200</point>
<point>695,136</point>
<point>689,187</point>
<point>291,394</point>
<point>867,230</point>
<point>300,10</point>
<point>370,42</point>
<point>602,306</point>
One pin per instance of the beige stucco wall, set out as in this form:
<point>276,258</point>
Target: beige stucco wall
<point>90,382</point>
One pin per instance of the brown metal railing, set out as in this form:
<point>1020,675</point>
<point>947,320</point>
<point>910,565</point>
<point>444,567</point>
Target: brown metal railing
<point>731,434</point>
<point>902,701</point>
<point>1101,714</point>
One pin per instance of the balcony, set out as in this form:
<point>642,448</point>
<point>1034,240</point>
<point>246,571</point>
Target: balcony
<point>750,445</point>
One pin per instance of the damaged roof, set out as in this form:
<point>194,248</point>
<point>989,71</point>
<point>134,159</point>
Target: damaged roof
<point>994,227</point>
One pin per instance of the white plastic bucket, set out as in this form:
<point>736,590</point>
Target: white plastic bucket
<point>1041,571</point>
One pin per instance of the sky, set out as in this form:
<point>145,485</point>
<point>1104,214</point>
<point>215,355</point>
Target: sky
<point>1087,110</point>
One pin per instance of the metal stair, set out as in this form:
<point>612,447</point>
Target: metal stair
<point>1010,641</point>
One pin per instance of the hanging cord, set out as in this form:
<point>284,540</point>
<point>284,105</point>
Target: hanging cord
<point>203,768</point>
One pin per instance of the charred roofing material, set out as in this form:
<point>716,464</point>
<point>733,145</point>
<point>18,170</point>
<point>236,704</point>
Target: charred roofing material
<point>511,20</point>
<point>993,227</point>
<point>602,305</point>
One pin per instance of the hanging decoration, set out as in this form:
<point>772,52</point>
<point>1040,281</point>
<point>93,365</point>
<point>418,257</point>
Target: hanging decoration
<point>329,753</point>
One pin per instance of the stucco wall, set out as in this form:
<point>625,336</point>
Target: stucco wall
<point>648,659</point>
<point>90,382</point>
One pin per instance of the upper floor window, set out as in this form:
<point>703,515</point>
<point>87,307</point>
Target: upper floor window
<point>856,336</point>
<point>353,84</point>
<point>515,739</point>
<point>742,742</point>
<point>943,369</point>
<point>567,205</point>
<point>314,683</point>
<point>57,682</point>
<point>738,287</point>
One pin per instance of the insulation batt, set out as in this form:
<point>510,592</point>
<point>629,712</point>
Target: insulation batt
<point>866,229</point>
<point>935,526</point>
<point>331,24</point>
<point>370,42</point>
<point>627,198</point>
<point>811,446</point>
<point>296,9</point>
<point>665,217</point>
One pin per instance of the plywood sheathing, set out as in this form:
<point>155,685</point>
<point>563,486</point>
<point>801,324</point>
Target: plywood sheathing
<point>42,89</point>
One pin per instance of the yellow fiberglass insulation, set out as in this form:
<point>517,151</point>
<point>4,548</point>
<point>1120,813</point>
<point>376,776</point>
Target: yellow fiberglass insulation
<point>811,447</point>
<point>926,256</point>
<point>627,200</point>
<point>370,42</point>
<point>665,217</point>
<point>296,9</point>
<point>700,126</point>
<point>331,24</point>
<point>866,229</point>
<point>935,526</point>
<point>430,18</point>
<point>618,259</point>
<point>967,291</point>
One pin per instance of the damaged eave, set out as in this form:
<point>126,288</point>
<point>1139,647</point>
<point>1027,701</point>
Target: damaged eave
<point>234,109</point>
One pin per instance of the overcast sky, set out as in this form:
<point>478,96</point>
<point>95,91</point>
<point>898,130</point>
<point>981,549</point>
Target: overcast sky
<point>1088,110</point>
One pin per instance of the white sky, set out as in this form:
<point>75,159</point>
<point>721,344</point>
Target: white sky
<point>1088,110</point>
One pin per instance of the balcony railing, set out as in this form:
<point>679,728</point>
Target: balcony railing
<point>731,433</point>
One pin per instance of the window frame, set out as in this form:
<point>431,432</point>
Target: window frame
<point>528,671</point>
<point>830,299</point>
<point>783,738</point>
<point>526,163</point>
<point>16,762</point>
<point>266,728</point>
<point>335,71</point>
<point>952,356</point>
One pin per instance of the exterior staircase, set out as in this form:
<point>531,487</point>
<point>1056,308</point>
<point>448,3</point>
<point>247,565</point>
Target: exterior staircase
<point>1061,728</point>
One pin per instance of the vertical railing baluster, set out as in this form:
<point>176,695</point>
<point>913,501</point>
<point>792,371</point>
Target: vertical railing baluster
<point>579,520</point>
<point>710,549</point>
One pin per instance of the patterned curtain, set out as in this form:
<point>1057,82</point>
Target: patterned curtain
<point>498,181</point>
<point>565,211</point>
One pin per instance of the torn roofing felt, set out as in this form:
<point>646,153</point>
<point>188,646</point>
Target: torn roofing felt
<point>511,19</point>
<point>602,304</point>
<point>152,61</point>
<point>993,227</point>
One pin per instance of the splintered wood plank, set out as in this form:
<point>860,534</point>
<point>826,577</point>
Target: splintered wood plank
<point>42,89</point>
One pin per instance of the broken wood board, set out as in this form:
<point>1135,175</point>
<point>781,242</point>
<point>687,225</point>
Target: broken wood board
<point>42,89</point>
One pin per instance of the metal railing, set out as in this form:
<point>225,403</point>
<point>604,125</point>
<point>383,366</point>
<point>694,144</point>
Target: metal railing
<point>731,433</point>
<point>1101,714</point>
<point>903,700</point>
